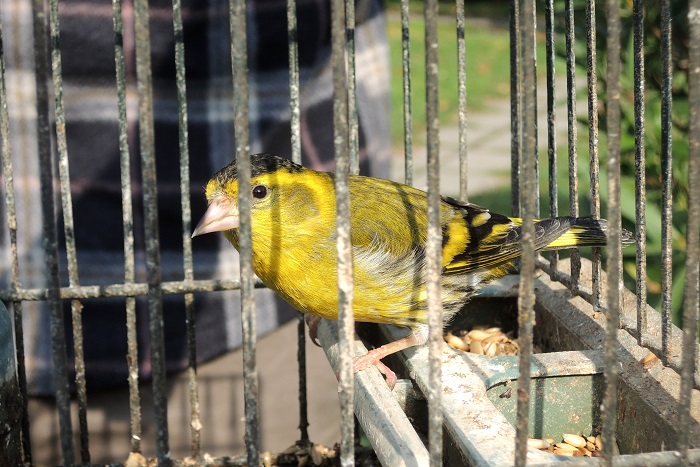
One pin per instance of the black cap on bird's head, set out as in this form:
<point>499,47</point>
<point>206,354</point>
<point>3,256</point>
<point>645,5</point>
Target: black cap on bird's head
<point>222,191</point>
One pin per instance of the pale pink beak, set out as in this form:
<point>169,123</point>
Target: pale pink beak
<point>221,215</point>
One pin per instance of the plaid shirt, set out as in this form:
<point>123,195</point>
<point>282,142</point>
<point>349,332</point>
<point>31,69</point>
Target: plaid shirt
<point>87,48</point>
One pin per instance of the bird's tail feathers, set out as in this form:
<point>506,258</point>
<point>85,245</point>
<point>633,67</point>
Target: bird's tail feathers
<point>586,231</point>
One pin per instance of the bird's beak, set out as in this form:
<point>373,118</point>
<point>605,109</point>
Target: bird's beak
<point>221,215</point>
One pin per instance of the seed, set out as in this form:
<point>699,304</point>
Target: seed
<point>476,347</point>
<point>493,338</point>
<point>599,443</point>
<point>538,443</point>
<point>493,330</point>
<point>565,447</point>
<point>478,334</point>
<point>549,440</point>
<point>574,440</point>
<point>590,446</point>
<point>491,349</point>
<point>649,360</point>
<point>562,452</point>
<point>455,342</point>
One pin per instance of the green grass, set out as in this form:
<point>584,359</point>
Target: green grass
<point>487,69</point>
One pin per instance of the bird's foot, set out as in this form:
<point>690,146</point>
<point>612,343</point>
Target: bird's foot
<point>373,357</point>
<point>312,321</point>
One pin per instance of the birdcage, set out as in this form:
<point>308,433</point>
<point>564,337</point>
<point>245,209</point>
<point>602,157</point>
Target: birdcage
<point>606,362</point>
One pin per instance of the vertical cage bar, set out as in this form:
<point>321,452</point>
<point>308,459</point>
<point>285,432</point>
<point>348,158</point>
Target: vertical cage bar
<point>345,283</point>
<point>49,234</point>
<point>515,106</point>
<point>68,227</point>
<point>10,209</point>
<point>433,248</point>
<point>353,129</point>
<point>239,65</point>
<point>640,234</point>
<point>692,259</point>
<point>528,187</point>
<point>188,267</point>
<point>594,160</point>
<point>128,229</point>
<point>666,179</point>
<point>407,112</point>
<point>572,131</point>
<point>295,130</point>
<point>294,101</point>
<point>150,200</point>
<point>614,263</point>
<point>551,120</point>
<point>462,91</point>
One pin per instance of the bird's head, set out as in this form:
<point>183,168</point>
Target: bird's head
<point>272,179</point>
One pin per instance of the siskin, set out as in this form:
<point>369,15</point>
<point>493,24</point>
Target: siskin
<point>294,251</point>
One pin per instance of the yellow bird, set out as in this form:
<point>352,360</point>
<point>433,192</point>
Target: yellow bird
<point>294,250</point>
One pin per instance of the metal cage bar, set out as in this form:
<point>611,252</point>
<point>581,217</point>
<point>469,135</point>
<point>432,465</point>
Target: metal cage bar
<point>406,78</point>
<point>152,236</point>
<point>529,205</point>
<point>15,283</point>
<point>49,234</point>
<point>239,65</point>
<point>187,266</point>
<point>128,228</point>
<point>68,227</point>
<point>462,98</point>
<point>692,260</point>
<point>515,106</point>
<point>551,120</point>
<point>433,248</point>
<point>614,263</point>
<point>341,130</point>
<point>640,170</point>
<point>572,132</point>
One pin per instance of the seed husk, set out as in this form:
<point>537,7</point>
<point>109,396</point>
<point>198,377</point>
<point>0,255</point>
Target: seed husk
<point>574,440</point>
<point>538,443</point>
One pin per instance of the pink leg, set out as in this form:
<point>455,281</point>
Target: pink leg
<point>373,357</point>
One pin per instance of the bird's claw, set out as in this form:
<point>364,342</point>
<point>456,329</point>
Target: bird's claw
<point>312,321</point>
<point>374,358</point>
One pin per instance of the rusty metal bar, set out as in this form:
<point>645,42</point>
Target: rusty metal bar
<point>15,283</point>
<point>353,128</point>
<point>294,102</point>
<point>239,65</point>
<point>406,75</point>
<point>49,234</point>
<point>614,262</point>
<point>433,248</point>
<point>132,357</point>
<point>188,268</point>
<point>150,200</point>
<point>68,227</point>
<point>124,290</point>
<point>692,259</point>
<point>552,118</point>
<point>640,230</point>
<point>572,131</point>
<point>462,91</point>
<point>515,106</point>
<point>594,167</point>
<point>666,178</point>
<point>295,130</point>
<point>529,205</point>
<point>345,282</point>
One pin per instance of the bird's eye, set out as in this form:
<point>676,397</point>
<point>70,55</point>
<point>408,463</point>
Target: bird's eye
<point>259,191</point>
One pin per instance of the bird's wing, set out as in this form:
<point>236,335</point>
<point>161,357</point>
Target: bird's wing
<point>493,240</point>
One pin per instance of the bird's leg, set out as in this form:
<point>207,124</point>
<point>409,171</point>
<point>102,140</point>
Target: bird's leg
<point>312,321</point>
<point>374,356</point>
